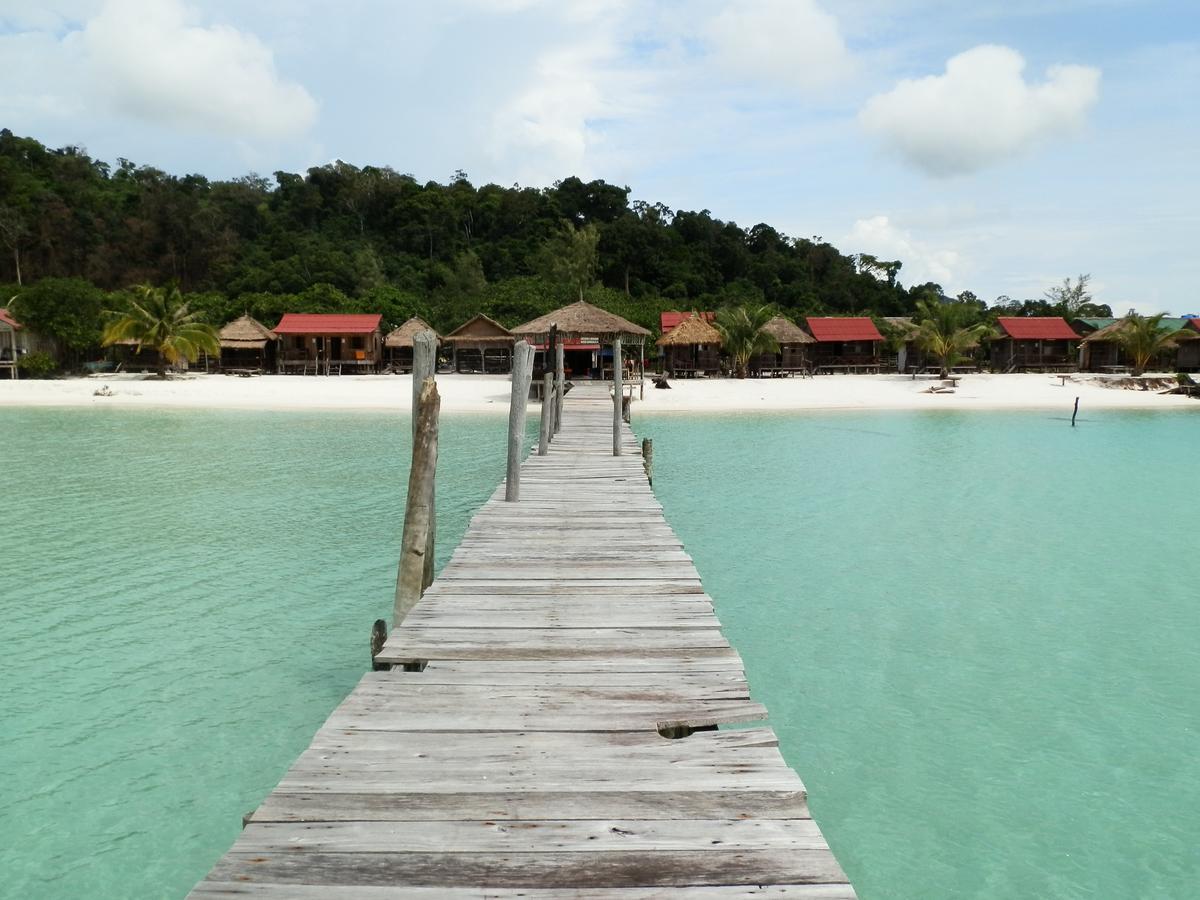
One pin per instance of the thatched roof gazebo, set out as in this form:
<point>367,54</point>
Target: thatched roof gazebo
<point>791,358</point>
<point>248,344</point>
<point>583,329</point>
<point>581,319</point>
<point>479,341</point>
<point>398,345</point>
<point>691,346</point>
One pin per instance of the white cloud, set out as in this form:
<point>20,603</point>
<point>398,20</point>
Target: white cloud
<point>879,237</point>
<point>980,111</point>
<point>794,43</point>
<point>153,62</point>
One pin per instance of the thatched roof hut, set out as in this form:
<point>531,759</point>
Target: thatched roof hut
<point>402,337</point>
<point>786,331</point>
<point>579,319</point>
<point>481,345</point>
<point>690,332</point>
<point>480,331</point>
<point>248,344</point>
<point>691,347</point>
<point>246,333</point>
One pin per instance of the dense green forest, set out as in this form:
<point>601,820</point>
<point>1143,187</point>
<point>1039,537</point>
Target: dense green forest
<point>76,230</point>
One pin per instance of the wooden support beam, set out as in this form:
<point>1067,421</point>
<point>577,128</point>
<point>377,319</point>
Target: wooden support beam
<point>547,414</point>
<point>418,512</point>
<point>522,375</point>
<point>559,387</point>
<point>617,396</point>
<point>425,366</point>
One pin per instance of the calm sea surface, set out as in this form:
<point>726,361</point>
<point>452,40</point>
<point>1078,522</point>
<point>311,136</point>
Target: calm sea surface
<point>978,634</point>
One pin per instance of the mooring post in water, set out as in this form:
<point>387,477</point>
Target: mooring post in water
<point>544,426</point>
<point>648,459</point>
<point>1074,414</point>
<point>617,396</point>
<point>418,511</point>
<point>425,366</point>
<point>560,387</point>
<point>522,375</point>
<point>378,639</point>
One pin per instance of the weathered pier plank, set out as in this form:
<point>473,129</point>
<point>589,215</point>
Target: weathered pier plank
<point>559,735</point>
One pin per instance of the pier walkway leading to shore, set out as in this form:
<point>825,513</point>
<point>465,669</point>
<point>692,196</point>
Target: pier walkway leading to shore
<point>560,739</point>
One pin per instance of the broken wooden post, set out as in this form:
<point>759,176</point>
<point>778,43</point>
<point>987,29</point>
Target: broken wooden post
<point>617,396</point>
<point>425,366</point>
<point>559,387</point>
<point>378,639</point>
<point>1075,413</point>
<point>522,374</point>
<point>544,426</point>
<point>418,510</point>
<point>648,459</point>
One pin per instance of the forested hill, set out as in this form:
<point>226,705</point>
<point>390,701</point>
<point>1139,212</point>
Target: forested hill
<point>341,238</point>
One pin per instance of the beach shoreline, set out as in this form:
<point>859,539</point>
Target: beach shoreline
<point>489,394</point>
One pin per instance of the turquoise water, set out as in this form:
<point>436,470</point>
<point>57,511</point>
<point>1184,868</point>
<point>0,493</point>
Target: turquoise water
<point>977,634</point>
<point>185,596</point>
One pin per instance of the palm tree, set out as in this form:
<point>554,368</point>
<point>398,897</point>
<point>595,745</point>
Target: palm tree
<point>944,332</point>
<point>743,335</point>
<point>159,318</point>
<point>1143,338</point>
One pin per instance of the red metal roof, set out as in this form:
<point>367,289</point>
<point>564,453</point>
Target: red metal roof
<point>322,323</point>
<point>843,328</point>
<point>1194,323</point>
<point>1037,328</point>
<point>669,320</point>
<point>9,320</point>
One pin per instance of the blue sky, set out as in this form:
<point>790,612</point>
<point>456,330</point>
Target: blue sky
<point>995,147</point>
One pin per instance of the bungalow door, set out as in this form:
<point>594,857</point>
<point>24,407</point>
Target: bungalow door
<point>335,348</point>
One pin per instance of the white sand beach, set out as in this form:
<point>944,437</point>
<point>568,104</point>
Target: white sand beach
<point>490,393</point>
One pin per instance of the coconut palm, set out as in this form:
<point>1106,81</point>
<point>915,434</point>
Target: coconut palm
<point>944,333</point>
<point>743,334</point>
<point>159,318</point>
<point>1143,338</point>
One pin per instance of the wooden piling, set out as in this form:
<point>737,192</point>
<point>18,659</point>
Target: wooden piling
<point>418,512</point>
<point>1075,413</point>
<point>617,393</point>
<point>425,366</point>
<point>545,425</point>
<point>559,387</point>
<point>648,459</point>
<point>522,374</point>
<point>378,639</point>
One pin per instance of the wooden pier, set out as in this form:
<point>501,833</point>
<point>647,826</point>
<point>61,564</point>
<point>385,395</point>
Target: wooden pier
<point>560,738</point>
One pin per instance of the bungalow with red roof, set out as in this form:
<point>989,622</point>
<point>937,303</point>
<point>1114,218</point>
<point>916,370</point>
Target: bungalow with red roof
<point>845,343</point>
<point>8,343</point>
<point>16,340</point>
<point>1038,343</point>
<point>329,344</point>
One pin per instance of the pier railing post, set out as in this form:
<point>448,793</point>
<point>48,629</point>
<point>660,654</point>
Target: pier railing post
<point>559,387</point>
<point>618,394</point>
<point>418,511</point>
<point>425,366</point>
<point>522,375</point>
<point>545,425</point>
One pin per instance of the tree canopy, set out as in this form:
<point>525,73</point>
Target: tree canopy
<point>348,239</point>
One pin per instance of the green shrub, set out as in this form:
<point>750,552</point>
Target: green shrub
<point>37,365</point>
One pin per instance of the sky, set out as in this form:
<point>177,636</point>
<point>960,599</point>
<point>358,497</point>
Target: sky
<point>996,147</point>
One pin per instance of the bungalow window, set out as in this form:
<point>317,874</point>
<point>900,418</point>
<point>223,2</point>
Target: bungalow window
<point>299,342</point>
<point>356,343</point>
